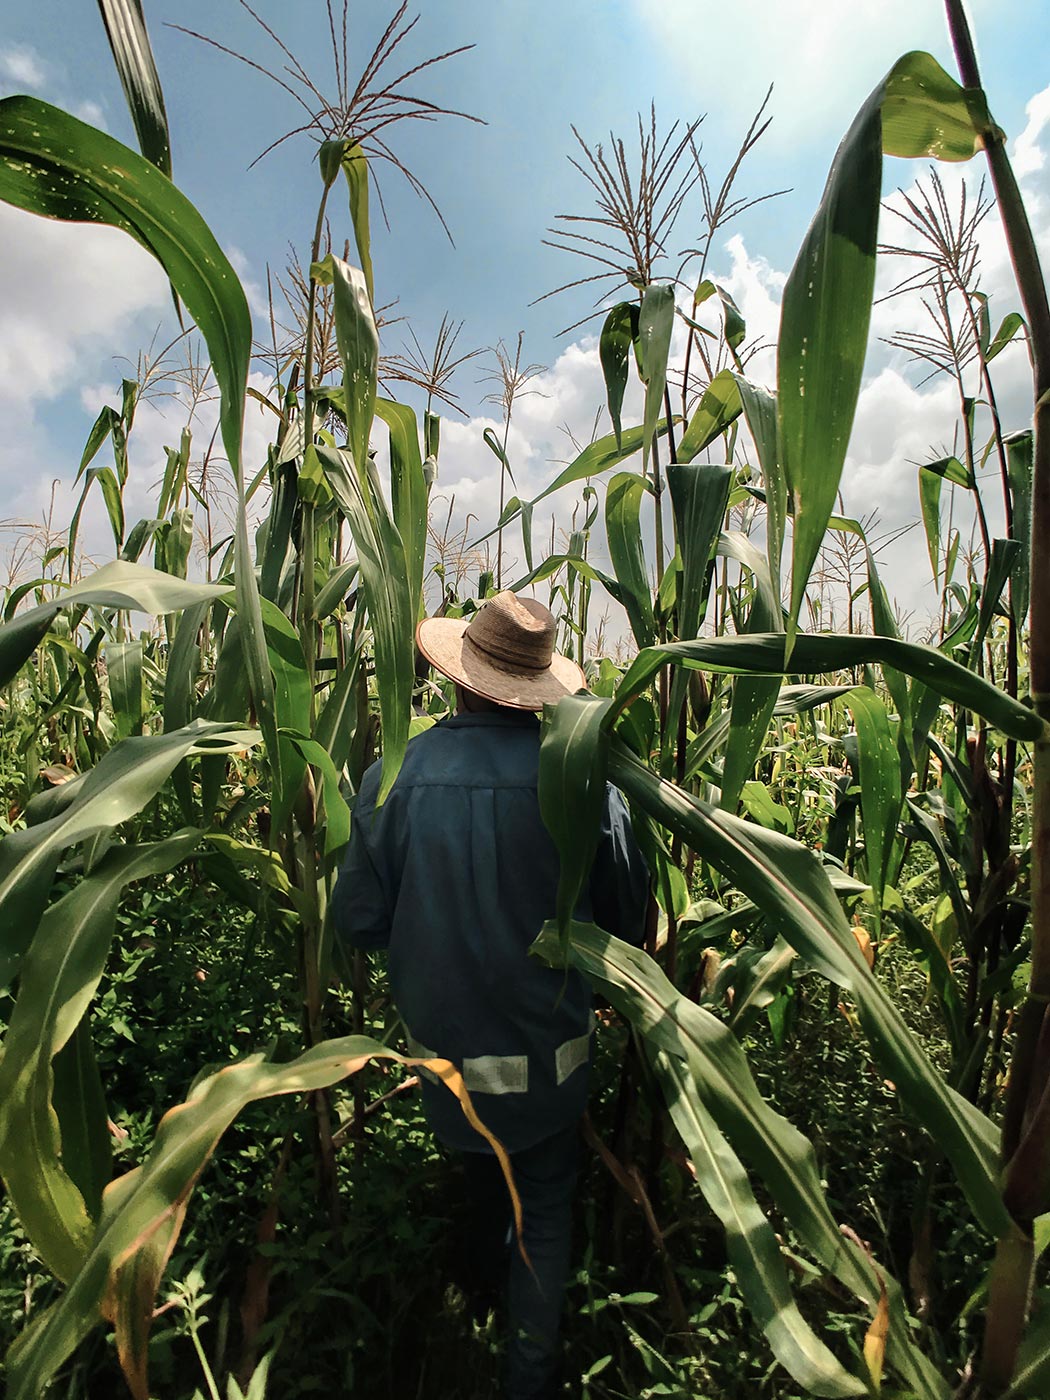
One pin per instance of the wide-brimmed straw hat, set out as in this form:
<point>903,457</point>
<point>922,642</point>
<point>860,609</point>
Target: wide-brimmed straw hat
<point>504,653</point>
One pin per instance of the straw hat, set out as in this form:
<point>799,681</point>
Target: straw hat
<point>505,653</point>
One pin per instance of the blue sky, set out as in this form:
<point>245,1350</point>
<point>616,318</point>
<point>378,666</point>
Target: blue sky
<point>66,309</point>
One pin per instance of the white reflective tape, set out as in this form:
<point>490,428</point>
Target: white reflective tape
<point>497,1074</point>
<point>570,1056</point>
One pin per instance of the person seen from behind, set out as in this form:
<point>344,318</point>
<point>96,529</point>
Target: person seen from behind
<point>455,874</point>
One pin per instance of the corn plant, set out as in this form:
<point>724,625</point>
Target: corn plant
<point>800,437</point>
<point>298,652</point>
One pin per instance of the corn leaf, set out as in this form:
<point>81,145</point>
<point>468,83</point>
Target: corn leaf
<point>572,790</point>
<point>720,405</point>
<point>126,30</point>
<point>754,1253</point>
<point>787,882</point>
<point>619,333</point>
<point>754,697</point>
<point>358,341</point>
<point>79,1102</point>
<point>54,165</point>
<point>119,585</point>
<point>124,673</point>
<point>391,607</point>
<point>884,622</point>
<point>827,652</point>
<point>58,978</point>
<point>655,323</point>
<point>623,502</point>
<point>760,411</point>
<point>918,110</point>
<point>722,1081</point>
<point>142,1211</point>
<point>699,494</point>
<point>880,787</point>
<point>1019,470</point>
<point>408,489</point>
<point>118,787</point>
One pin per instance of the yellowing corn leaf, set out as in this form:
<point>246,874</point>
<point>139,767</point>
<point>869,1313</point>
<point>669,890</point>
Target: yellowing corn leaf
<point>875,1339</point>
<point>142,1211</point>
<point>864,943</point>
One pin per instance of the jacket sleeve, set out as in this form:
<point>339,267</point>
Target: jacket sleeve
<point>360,908</point>
<point>620,876</point>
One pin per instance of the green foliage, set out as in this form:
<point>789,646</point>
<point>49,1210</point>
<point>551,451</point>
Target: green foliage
<point>826,1006</point>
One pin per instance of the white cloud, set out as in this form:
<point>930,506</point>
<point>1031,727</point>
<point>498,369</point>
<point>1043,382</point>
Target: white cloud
<point>1027,155</point>
<point>827,56</point>
<point>65,290</point>
<point>21,68</point>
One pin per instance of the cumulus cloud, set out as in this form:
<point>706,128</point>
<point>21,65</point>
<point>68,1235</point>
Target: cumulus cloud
<point>21,69</point>
<point>65,289</point>
<point>1027,154</point>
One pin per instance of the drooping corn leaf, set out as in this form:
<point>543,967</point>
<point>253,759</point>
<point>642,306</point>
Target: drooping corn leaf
<point>623,501</point>
<point>358,341</point>
<point>789,885</point>
<point>597,457</point>
<point>119,584</point>
<point>58,978</point>
<point>817,653</point>
<point>581,567</point>
<point>142,1211</point>
<point>733,323</point>
<point>722,1080</point>
<point>347,155</point>
<point>126,30</point>
<point>118,787</point>
<point>619,333</point>
<point>769,976</point>
<point>754,1253</point>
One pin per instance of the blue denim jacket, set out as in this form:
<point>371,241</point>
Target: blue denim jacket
<point>455,874</point>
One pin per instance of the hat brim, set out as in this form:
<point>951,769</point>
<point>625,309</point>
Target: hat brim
<point>444,643</point>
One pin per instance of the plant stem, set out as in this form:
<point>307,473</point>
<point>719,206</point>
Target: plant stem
<point>1010,1281</point>
<point>307,538</point>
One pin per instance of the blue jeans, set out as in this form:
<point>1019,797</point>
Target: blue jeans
<point>545,1176</point>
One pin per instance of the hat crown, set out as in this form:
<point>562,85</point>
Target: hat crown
<point>517,633</point>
